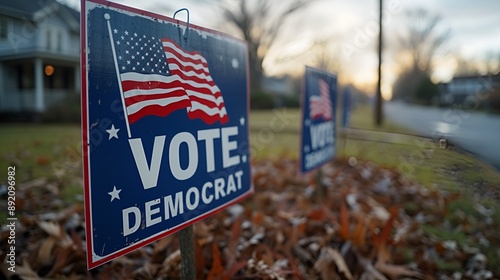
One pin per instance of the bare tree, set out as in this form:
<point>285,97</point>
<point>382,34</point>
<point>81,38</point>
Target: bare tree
<point>326,56</point>
<point>423,38</point>
<point>260,22</point>
<point>466,67</point>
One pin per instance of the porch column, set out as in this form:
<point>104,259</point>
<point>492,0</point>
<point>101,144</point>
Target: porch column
<point>39,98</point>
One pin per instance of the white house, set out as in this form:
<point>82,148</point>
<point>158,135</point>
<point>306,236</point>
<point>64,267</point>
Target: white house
<point>463,86</point>
<point>39,54</point>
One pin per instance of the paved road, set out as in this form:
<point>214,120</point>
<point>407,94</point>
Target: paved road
<point>476,132</point>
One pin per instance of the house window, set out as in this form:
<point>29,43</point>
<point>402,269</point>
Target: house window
<point>26,76</point>
<point>4,29</point>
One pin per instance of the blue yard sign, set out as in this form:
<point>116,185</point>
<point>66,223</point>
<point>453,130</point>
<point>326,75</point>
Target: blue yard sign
<point>318,119</point>
<point>165,126</point>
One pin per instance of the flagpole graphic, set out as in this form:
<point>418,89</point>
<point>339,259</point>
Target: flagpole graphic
<point>125,111</point>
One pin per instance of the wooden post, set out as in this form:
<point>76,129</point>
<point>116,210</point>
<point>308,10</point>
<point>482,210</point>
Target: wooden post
<point>321,191</point>
<point>186,239</point>
<point>378,103</point>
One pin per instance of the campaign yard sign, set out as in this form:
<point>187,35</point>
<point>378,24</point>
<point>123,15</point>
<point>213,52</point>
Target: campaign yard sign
<point>318,119</point>
<point>165,126</point>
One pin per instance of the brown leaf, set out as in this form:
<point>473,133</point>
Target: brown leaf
<point>329,257</point>
<point>44,255</point>
<point>43,160</point>
<point>62,259</point>
<point>359,235</point>
<point>317,214</point>
<point>200,260</point>
<point>383,237</point>
<point>25,272</point>
<point>257,218</point>
<point>233,241</point>
<point>344,221</point>
<point>50,228</point>
<point>234,269</point>
<point>217,271</point>
<point>396,271</point>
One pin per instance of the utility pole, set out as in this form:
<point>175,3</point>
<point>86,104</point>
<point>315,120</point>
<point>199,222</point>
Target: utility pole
<point>378,104</point>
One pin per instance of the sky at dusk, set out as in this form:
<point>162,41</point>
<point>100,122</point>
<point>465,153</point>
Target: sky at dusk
<point>350,29</point>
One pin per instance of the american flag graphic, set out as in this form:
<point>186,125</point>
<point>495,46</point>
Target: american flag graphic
<point>158,77</point>
<point>321,106</point>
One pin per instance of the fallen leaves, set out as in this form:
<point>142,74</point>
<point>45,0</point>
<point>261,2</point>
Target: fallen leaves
<point>361,222</point>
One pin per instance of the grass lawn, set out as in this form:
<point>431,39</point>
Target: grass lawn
<point>37,149</point>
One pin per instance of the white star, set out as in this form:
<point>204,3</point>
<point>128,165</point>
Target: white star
<point>115,31</point>
<point>135,34</point>
<point>113,132</point>
<point>126,32</point>
<point>115,194</point>
<point>242,121</point>
<point>244,158</point>
<point>234,63</point>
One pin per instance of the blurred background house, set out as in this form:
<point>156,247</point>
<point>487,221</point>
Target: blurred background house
<point>39,56</point>
<point>463,86</point>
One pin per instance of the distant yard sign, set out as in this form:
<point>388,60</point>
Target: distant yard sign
<point>318,119</point>
<point>165,126</point>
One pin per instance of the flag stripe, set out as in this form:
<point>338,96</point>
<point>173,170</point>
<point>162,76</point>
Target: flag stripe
<point>185,65</point>
<point>208,110</point>
<point>144,97</point>
<point>157,110</point>
<point>193,57</point>
<point>200,114</point>
<point>217,100</point>
<point>150,92</point>
<point>200,74</point>
<point>206,103</point>
<point>146,81</point>
<point>134,108</point>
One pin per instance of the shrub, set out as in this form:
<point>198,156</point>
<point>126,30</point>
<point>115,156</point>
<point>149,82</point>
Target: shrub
<point>67,110</point>
<point>261,100</point>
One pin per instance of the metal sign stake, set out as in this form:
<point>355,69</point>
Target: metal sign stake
<point>186,239</point>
